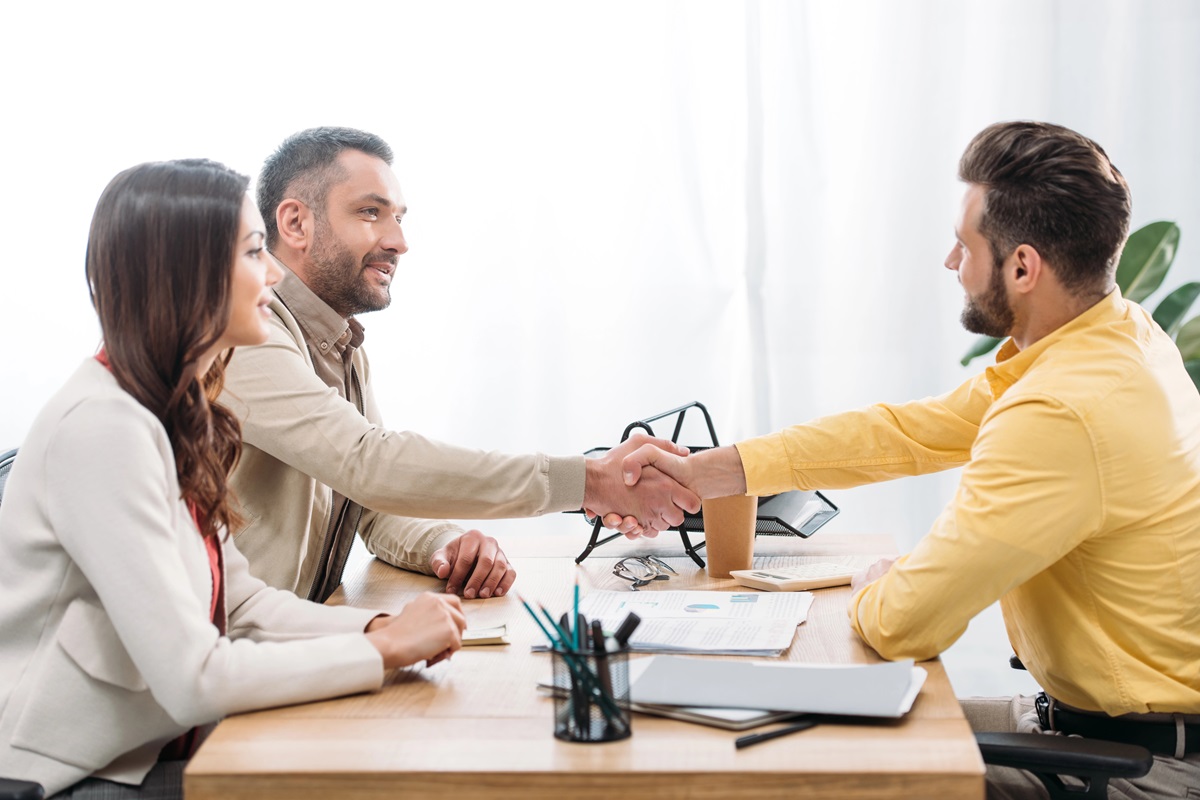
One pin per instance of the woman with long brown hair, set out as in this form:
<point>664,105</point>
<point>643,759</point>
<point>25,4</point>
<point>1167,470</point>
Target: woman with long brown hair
<point>128,619</point>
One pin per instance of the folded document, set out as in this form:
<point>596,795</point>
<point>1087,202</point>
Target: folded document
<point>871,690</point>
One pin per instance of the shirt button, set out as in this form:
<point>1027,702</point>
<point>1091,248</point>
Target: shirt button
<point>324,345</point>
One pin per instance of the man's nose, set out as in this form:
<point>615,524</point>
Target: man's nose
<point>393,239</point>
<point>953,260</point>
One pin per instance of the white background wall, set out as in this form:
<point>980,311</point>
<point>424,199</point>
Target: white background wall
<point>614,207</point>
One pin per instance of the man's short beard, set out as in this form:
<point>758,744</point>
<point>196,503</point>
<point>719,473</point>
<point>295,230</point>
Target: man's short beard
<point>989,314</point>
<point>336,276</point>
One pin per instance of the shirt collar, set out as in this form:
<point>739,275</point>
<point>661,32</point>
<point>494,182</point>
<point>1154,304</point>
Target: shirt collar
<point>321,324</point>
<point>1012,363</point>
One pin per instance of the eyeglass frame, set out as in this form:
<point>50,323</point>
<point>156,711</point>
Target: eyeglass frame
<point>653,564</point>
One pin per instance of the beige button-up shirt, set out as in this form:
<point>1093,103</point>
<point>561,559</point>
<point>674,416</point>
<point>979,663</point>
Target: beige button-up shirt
<point>314,438</point>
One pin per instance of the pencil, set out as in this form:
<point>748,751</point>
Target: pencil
<point>549,636</point>
<point>575,608</point>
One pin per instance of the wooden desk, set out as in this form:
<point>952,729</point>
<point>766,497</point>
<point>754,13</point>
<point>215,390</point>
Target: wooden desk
<point>477,726</point>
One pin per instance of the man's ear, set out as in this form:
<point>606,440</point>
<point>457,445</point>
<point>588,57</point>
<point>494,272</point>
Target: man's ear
<point>1025,268</point>
<point>295,223</point>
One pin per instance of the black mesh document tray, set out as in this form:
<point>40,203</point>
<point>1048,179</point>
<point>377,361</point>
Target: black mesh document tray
<point>788,514</point>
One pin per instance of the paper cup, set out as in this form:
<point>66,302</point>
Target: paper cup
<point>729,533</point>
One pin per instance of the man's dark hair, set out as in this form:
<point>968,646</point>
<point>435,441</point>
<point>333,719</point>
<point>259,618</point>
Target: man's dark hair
<point>305,167</point>
<point>1055,190</point>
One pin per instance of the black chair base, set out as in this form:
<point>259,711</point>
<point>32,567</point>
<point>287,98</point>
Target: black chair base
<point>1094,762</point>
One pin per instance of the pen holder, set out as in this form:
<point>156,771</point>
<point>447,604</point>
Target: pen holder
<point>591,701</point>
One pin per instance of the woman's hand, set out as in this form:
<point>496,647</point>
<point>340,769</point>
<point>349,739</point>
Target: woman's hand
<point>430,628</point>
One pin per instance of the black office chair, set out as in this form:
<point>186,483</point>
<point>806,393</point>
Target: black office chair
<point>1092,761</point>
<point>10,789</point>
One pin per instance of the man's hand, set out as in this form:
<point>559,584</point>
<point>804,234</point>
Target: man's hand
<point>430,627</point>
<point>712,473</point>
<point>655,504</point>
<point>871,574</point>
<point>478,556</point>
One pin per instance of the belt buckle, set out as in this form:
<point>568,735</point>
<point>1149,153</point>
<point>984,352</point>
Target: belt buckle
<point>1045,711</point>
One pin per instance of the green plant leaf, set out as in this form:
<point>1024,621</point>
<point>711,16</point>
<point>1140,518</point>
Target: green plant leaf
<point>983,345</point>
<point>1188,339</point>
<point>1193,369</point>
<point>1169,314</point>
<point>1146,258</point>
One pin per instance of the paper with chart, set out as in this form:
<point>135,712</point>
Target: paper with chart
<point>727,623</point>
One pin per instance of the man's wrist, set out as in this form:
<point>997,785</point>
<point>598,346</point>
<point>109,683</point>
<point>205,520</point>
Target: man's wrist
<point>594,482</point>
<point>717,472</point>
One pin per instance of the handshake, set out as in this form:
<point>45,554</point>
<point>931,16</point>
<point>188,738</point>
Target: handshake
<point>644,485</point>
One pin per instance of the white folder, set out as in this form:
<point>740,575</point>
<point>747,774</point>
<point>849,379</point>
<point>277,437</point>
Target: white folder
<point>871,690</point>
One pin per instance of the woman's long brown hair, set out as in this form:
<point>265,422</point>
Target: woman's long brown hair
<point>159,268</point>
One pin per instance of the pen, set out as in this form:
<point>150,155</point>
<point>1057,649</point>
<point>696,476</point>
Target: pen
<point>628,625</point>
<point>755,738</point>
<point>601,649</point>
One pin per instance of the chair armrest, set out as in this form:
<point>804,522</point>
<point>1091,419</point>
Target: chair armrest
<point>20,790</point>
<point>1064,755</point>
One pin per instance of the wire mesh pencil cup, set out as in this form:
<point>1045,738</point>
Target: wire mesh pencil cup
<point>591,698</point>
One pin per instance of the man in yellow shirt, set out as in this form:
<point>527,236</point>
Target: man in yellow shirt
<point>1079,503</point>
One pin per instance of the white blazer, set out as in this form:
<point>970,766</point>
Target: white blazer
<point>107,651</point>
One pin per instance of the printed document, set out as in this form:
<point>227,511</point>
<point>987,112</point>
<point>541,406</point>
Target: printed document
<point>711,623</point>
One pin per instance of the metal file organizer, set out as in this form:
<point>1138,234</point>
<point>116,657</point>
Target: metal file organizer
<point>788,514</point>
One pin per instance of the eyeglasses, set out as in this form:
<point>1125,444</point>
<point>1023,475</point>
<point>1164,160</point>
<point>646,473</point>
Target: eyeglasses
<point>641,570</point>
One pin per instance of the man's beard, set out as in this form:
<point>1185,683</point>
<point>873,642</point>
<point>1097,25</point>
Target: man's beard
<point>989,313</point>
<point>338,278</point>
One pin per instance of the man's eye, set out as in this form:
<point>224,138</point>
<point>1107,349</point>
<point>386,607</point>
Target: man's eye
<point>372,212</point>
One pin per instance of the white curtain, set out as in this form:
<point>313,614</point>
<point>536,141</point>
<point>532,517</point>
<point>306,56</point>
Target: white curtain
<point>616,207</point>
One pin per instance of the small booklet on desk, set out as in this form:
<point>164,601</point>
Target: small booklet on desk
<point>480,636</point>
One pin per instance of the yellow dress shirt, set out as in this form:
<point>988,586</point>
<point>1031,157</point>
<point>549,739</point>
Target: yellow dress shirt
<point>1078,508</point>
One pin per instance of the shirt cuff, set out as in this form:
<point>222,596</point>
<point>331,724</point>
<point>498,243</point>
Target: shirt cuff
<point>766,464</point>
<point>434,540</point>
<point>566,476</point>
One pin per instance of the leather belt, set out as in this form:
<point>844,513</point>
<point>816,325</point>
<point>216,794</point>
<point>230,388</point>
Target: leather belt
<point>1160,737</point>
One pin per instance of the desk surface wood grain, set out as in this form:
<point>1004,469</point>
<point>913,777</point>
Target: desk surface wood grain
<point>477,723</point>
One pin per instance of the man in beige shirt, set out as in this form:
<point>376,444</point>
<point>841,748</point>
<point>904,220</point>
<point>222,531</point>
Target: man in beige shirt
<point>318,464</point>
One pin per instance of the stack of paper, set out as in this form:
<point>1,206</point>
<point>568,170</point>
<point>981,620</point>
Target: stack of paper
<point>871,690</point>
<point>729,623</point>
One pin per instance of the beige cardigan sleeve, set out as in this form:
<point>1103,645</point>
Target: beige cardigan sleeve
<point>128,535</point>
